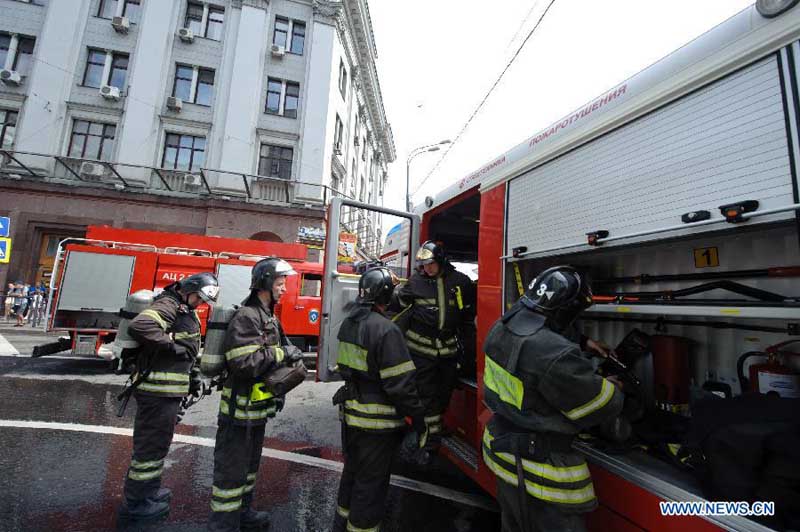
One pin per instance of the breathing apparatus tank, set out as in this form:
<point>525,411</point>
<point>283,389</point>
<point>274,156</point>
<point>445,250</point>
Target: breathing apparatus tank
<point>212,362</point>
<point>134,304</point>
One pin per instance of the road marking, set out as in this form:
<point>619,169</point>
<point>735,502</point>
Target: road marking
<point>426,488</point>
<point>6,349</point>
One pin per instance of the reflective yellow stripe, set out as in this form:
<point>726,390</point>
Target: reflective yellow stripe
<point>411,335</point>
<point>156,317</point>
<point>508,387</point>
<point>147,465</point>
<point>518,276</point>
<point>351,528</point>
<point>413,346</point>
<point>399,369</point>
<point>226,494</point>
<point>375,424</point>
<point>556,474</point>
<point>371,408</point>
<point>400,314</point>
<point>601,400</point>
<point>225,506</point>
<point>165,376</point>
<point>352,355</point>
<point>344,512</point>
<point>424,301</point>
<point>163,388</point>
<point>186,335</point>
<point>442,301</point>
<point>251,476</point>
<point>249,415</point>
<point>459,299</point>
<point>279,354</point>
<point>259,393</point>
<point>545,493</point>
<point>242,351</point>
<point>433,419</point>
<point>145,475</point>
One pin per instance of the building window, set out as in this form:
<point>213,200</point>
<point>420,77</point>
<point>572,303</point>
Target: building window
<point>121,8</point>
<point>342,79</point>
<point>281,32</point>
<point>285,27</point>
<point>205,20</point>
<point>311,285</point>
<point>91,140</point>
<point>283,97</point>
<point>184,152</point>
<point>337,135</point>
<point>298,37</point>
<point>193,84</point>
<point>16,52</point>
<point>8,128</point>
<point>105,68</point>
<point>275,161</point>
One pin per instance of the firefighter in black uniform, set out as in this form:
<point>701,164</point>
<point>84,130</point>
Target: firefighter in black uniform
<point>437,305</point>
<point>254,346</point>
<point>543,390</point>
<point>168,333</point>
<point>379,392</point>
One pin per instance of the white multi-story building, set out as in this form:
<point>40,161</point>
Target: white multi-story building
<point>274,101</point>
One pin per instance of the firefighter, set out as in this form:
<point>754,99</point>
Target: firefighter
<point>543,390</point>
<point>380,391</point>
<point>254,346</point>
<point>168,333</point>
<point>436,306</point>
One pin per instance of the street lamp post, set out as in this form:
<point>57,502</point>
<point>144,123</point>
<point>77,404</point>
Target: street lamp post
<point>414,153</point>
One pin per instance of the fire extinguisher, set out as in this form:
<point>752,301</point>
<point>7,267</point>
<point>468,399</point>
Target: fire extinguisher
<point>772,376</point>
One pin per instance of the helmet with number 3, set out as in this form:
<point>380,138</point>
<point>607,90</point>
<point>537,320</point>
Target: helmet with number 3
<point>560,293</point>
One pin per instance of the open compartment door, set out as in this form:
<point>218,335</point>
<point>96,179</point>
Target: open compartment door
<point>354,235</point>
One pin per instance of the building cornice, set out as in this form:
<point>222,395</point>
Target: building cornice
<point>258,4</point>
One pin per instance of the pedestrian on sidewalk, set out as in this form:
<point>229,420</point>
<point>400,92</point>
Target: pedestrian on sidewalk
<point>9,302</point>
<point>37,307</point>
<point>20,304</point>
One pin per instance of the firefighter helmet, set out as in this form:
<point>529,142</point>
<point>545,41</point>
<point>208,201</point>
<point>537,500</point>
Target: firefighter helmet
<point>267,270</point>
<point>376,286</point>
<point>203,284</point>
<point>429,252</point>
<point>560,294</point>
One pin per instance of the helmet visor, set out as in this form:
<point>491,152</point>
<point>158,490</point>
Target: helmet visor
<point>209,293</point>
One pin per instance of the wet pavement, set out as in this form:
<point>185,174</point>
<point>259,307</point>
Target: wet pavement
<point>64,453</point>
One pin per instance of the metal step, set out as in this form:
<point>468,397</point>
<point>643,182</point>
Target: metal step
<point>462,450</point>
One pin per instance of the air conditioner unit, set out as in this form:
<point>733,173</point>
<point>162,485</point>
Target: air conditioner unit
<point>110,93</point>
<point>278,50</point>
<point>337,150</point>
<point>186,35</point>
<point>121,24</point>
<point>191,180</point>
<point>357,141</point>
<point>92,169</point>
<point>10,77</point>
<point>176,104</point>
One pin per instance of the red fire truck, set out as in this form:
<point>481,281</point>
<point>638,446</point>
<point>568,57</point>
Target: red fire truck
<point>94,275</point>
<point>684,173</point>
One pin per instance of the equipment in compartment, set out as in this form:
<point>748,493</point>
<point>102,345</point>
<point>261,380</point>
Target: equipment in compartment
<point>671,372</point>
<point>771,377</point>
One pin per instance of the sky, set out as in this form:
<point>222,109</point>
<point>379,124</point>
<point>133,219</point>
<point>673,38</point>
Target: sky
<point>438,58</point>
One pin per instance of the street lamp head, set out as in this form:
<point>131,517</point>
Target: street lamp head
<point>434,148</point>
<point>447,141</point>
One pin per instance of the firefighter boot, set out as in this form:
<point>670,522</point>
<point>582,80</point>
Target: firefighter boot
<point>143,510</point>
<point>254,520</point>
<point>162,495</point>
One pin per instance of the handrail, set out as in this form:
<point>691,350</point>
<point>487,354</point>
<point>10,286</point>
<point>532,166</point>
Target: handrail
<point>177,251</point>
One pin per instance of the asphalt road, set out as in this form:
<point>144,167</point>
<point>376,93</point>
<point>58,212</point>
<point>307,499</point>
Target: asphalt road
<point>64,453</point>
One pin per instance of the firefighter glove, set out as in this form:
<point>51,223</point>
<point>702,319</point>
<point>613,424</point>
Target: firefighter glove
<point>293,354</point>
<point>279,402</point>
<point>195,383</point>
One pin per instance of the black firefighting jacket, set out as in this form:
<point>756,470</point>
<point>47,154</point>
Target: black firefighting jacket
<point>543,389</point>
<point>374,360</point>
<point>254,346</point>
<point>167,323</point>
<point>434,309</point>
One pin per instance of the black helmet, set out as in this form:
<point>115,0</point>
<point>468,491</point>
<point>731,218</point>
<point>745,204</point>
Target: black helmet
<point>429,252</point>
<point>203,284</point>
<point>267,270</point>
<point>376,286</point>
<point>560,293</point>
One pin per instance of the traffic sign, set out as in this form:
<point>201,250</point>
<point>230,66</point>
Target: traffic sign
<point>5,250</point>
<point>5,226</point>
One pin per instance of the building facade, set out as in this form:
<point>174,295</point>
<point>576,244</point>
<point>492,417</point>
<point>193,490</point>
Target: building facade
<point>225,117</point>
